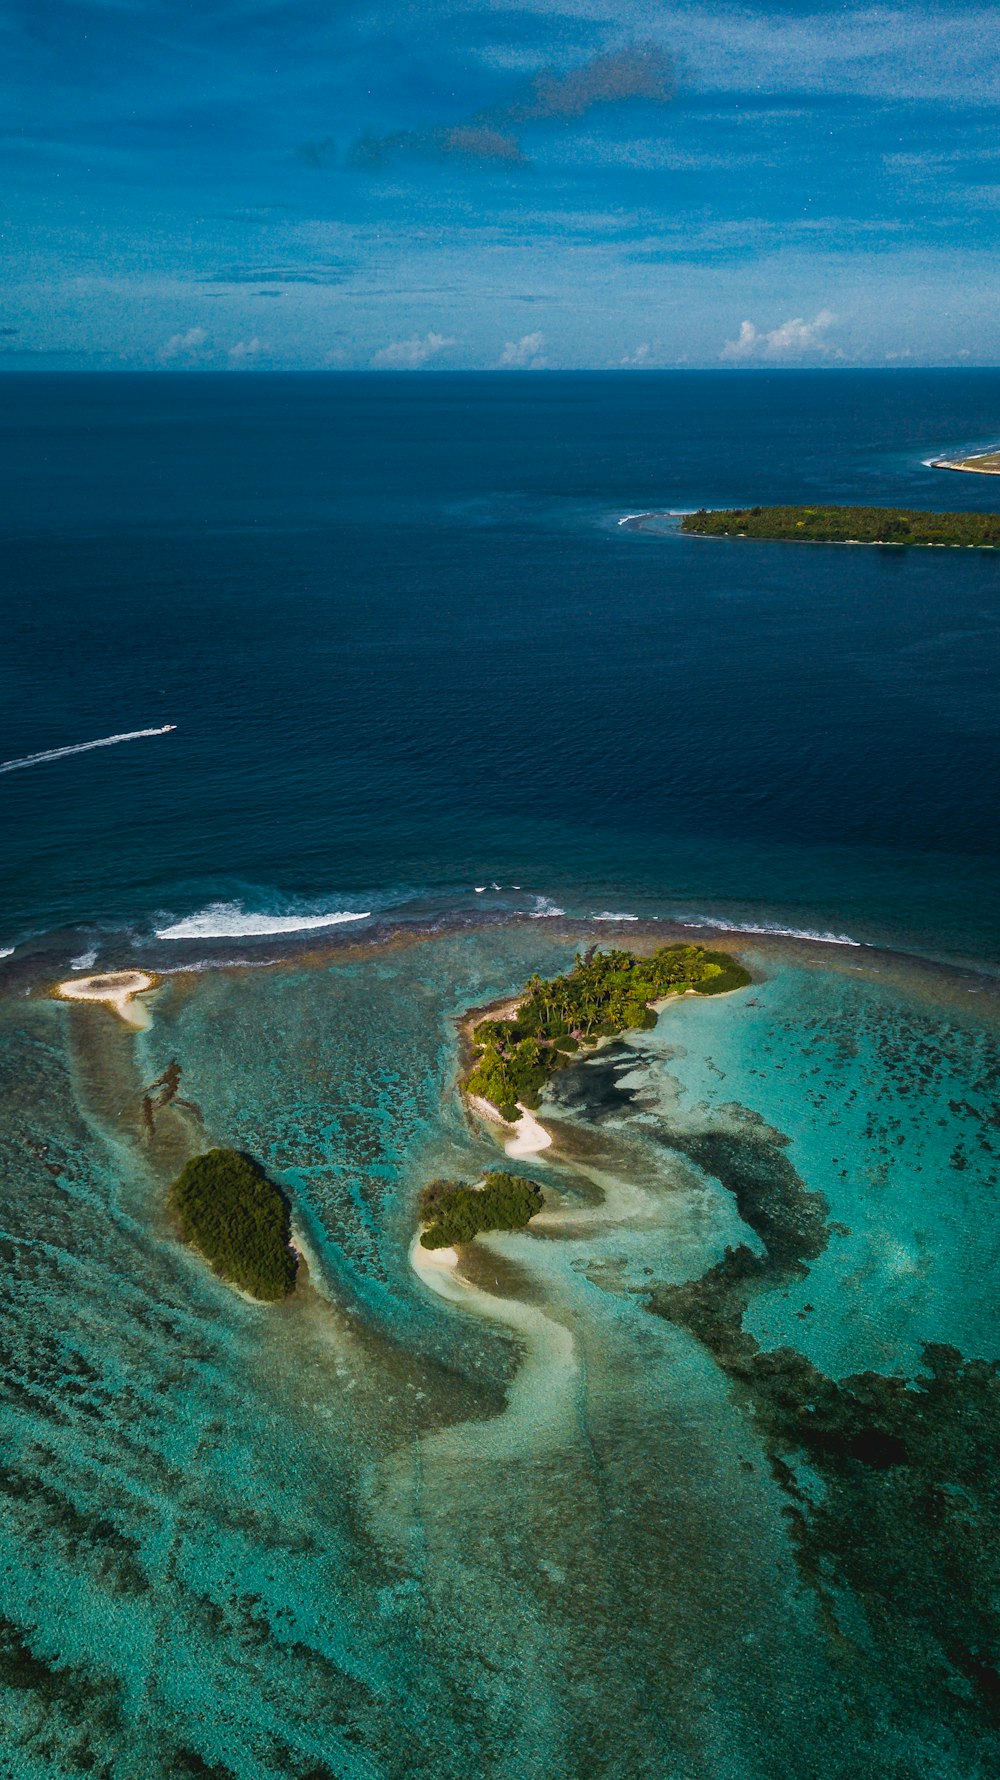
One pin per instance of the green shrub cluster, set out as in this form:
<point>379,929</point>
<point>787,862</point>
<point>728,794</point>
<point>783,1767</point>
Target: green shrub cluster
<point>844,525</point>
<point>238,1219</point>
<point>455,1212</point>
<point>604,994</point>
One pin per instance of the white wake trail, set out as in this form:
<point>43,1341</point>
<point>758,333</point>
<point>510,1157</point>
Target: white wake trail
<point>107,741</point>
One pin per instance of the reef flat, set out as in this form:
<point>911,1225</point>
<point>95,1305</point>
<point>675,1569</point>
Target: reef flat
<point>615,1504</point>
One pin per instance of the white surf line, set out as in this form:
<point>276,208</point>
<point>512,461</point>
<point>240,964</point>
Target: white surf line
<point>108,741</point>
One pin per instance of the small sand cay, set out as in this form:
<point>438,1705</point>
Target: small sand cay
<point>117,990</point>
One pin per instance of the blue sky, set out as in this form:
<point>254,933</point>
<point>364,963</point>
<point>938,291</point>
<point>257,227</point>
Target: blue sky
<point>408,184</point>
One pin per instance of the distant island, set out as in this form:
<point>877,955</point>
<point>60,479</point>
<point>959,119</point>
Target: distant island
<point>456,1212</point>
<point>237,1218</point>
<point>982,463</point>
<point>604,994</point>
<point>848,525</point>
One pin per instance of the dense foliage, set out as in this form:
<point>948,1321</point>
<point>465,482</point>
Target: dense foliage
<point>846,525</point>
<point>238,1220</point>
<point>455,1212</point>
<point>604,994</point>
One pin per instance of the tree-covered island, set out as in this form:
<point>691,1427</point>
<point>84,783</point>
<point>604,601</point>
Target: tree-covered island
<point>456,1212</point>
<point>604,994</point>
<point>848,525</point>
<point>237,1218</point>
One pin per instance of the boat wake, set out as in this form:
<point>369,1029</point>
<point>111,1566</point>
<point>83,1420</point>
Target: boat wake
<point>107,741</point>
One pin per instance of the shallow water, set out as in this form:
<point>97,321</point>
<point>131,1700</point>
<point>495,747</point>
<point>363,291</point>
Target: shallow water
<point>540,1529</point>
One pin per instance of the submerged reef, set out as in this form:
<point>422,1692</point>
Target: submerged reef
<point>238,1219</point>
<point>848,525</point>
<point>893,1485</point>
<point>455,1212</point>
<point>604,994</point>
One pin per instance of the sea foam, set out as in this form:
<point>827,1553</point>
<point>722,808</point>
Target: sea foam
<point>6,951</point>
<point>772,927</point>
<point>611,915</point>
<point>229,920</point>
<point>543,908</point>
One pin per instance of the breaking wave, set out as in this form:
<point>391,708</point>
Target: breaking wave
<point>6,951</point>
<point>229,920</point>
<point>772,927</point>
<point>612,915</point>
<point>543,908</point>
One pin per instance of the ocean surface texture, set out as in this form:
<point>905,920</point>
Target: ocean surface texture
<point>409,650</point>
<point>695,1479</point>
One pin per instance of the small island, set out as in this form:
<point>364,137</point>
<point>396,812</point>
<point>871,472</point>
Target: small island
<point>454,1211</point>
<point>116,989</point>
<point>848,525</point>
<point>604,994</point>
<point>228,1209</point>
<point>981,463</point>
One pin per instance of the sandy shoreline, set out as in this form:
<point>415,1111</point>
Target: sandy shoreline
<point>530,1136</point>
<point>527,1135</point>
<point>968,465</point>
<point>117,990</point>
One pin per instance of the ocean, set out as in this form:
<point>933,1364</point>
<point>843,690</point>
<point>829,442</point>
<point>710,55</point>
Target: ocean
<point>410,651</point>
<point>695,1478</point>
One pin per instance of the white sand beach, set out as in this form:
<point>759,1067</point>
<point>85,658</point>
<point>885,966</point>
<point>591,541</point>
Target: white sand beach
<point>530,1136</point>
<point>117,990</point>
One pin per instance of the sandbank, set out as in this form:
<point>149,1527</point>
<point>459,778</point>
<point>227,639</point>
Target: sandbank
<point>437,1268</point>
<point>117,990</point>
<point>529,1135</point>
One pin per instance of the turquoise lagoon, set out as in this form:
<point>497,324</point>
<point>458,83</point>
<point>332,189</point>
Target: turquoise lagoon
<point>538,1525</point>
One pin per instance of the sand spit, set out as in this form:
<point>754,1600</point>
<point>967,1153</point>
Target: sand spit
<point>529,1135</point>
<point>541,1402</point>
<point>117,989</point>
<point>987,465</point>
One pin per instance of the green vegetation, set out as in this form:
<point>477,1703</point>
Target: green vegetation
<point>987,463</point>
<point>848,525</point>
<point>605,993</point>
<point>455,1212</point>
<point>238,1219</point>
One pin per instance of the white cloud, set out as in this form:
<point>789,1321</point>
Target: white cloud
<point>793,339</point>
<point>524,354</point>
<point>185,346</point>
<point>245,351</point>
<point>409,355</point>
<point>641,356</point>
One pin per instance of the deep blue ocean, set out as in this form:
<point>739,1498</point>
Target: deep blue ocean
<point>411,654</point>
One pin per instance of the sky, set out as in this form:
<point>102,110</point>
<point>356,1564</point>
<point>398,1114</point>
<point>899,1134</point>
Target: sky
<point>241,185</point>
